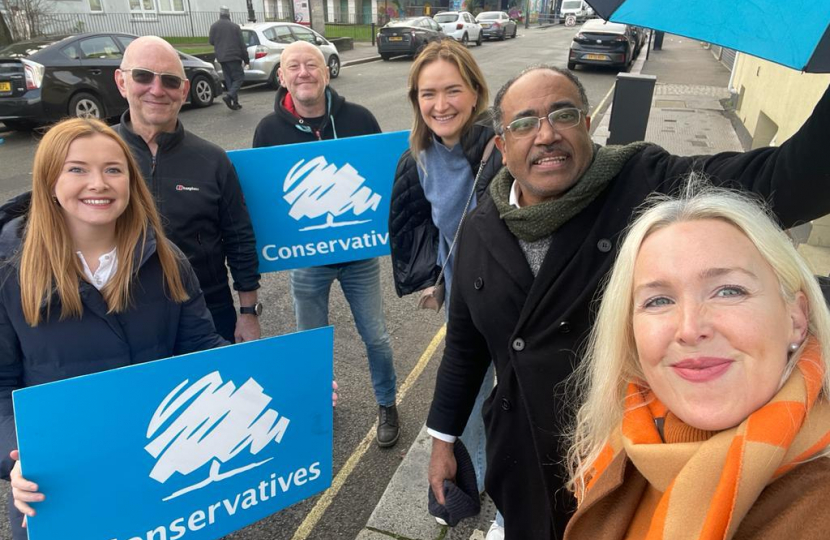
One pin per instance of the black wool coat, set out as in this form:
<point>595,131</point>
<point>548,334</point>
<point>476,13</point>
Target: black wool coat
<point>532,329</point>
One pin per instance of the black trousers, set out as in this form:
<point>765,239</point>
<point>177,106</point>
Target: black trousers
<point>234,74</point>
<point>224,319</point>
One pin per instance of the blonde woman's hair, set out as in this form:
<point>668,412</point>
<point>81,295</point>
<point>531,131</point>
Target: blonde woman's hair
<point>48,263</point>
<point>456,54</point>
<point>611,361</point>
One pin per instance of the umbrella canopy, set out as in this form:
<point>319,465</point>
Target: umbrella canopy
<point>794,33</point>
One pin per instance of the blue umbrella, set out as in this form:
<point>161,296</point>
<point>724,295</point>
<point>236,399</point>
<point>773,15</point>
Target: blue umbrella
<point>794,33</point>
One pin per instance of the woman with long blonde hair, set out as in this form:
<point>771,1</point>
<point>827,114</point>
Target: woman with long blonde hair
<point>704,407</point>
<point>88,281</point>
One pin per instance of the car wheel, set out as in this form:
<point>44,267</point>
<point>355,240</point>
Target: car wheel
<point>274,78</point>
<point>479,40</point>
<point>572,65</point>
<point>84,105</point>
<point>201,91</point>
<point>385,56</point>
<point>334,66</point>
<point>465,40</point>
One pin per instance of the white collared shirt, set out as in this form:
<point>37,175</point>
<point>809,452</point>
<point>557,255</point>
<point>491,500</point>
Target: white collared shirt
<point>107,265</point>
<point>514,195</point>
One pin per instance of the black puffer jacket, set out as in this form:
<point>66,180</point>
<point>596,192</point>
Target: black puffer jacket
<point>412,234</point>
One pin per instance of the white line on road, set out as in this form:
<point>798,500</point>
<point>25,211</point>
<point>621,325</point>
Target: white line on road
<point>325,501</point>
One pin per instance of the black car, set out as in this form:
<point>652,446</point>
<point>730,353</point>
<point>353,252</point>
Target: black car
<point>602,43</point>
<point>407,36</point>
<point>49,78</point>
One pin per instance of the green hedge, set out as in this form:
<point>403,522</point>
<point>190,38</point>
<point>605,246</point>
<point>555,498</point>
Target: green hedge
<point>358,32</point>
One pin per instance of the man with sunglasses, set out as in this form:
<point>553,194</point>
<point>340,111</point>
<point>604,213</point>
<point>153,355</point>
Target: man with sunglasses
<point>194,185</point>
<point>529,264</point>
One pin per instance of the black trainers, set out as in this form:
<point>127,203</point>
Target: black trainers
<point>228,101</point>
<point>388,427</point>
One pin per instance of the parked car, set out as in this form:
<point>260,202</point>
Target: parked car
<point>265,43</point>
<point>407,36</point>
<point>497,25</point>
<point>460,25</point>
<point>602,43</point>
<point>49,78</point>
<point>639,34</point>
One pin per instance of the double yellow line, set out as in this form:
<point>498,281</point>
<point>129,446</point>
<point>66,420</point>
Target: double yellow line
<point>339,481</point>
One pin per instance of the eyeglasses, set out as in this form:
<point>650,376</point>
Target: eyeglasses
<point>559,120</point>
<point>145,76</point>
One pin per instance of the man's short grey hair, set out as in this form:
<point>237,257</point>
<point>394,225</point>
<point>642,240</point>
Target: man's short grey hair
<point>497,113</point>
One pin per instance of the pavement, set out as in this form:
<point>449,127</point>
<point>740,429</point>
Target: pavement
<point>687,117</point>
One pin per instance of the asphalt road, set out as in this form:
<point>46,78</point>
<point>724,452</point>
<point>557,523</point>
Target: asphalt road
<point>381,87</point>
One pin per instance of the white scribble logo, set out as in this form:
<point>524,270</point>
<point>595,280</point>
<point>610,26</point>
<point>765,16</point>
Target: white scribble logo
<point>316,188</point>
<point>215,423</point>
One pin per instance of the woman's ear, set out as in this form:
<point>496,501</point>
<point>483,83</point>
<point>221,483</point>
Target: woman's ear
<point>800,317</point>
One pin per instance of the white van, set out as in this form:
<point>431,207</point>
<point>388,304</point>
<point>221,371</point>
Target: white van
<point>578,8</point>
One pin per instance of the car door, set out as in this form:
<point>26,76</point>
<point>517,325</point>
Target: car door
<point>100,57</point>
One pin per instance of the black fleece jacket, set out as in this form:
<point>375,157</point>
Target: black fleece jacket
<point>342,120</point>
<point>202,208</point>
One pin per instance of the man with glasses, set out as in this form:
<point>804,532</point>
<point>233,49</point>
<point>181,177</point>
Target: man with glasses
<point>194,185</point>
<point>530,262</point>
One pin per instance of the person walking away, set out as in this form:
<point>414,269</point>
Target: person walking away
<point>231,53</point>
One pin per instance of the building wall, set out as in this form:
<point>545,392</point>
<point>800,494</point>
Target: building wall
<point>773,103</point>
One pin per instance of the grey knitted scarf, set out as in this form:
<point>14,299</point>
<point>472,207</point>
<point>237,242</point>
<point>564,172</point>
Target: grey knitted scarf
<point>532,223</point>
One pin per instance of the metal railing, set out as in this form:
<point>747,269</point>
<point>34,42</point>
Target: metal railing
<point>167,24</point>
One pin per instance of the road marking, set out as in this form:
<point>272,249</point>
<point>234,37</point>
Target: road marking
<point>595,124</point>
<point>325,501</point>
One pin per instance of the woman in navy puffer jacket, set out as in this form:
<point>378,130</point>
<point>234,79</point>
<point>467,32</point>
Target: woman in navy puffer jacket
<point>88,281</point>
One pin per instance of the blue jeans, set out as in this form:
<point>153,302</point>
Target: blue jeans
<point>360,281</point>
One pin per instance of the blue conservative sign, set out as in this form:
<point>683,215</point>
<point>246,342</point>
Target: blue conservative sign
<point>192,447</point>
<point>321,202</point>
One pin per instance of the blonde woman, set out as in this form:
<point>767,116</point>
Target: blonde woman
<point>88,281</point>
<point>706,384</point>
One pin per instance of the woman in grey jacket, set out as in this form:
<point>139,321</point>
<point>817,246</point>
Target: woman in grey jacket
<point>89,282</point>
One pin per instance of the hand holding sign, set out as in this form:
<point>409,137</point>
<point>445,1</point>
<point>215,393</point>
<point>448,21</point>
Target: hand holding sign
<point>23,491</point>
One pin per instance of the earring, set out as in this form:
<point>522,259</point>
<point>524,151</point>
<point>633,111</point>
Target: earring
<point>794,347</point>
<point>54,199</point>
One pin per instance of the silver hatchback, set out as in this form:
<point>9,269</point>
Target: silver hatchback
<point>265,43</point>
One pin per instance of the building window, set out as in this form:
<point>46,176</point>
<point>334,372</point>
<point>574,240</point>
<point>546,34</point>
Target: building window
<point>96,6</point>
<point>174,6</point>
<point>145,9</point>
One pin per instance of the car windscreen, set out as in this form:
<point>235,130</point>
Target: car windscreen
<point>403,22</point>
<point>488,15</point>
<point>23,49</point>
<point>446,18</point>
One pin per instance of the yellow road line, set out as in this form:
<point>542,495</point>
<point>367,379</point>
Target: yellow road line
<point>325,501</point>
<point>599,107</point>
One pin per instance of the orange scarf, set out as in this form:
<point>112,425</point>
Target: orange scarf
<point>709,486</point>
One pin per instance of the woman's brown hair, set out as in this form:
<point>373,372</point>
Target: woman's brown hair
<point>48,262</point>
<point>456,54</point>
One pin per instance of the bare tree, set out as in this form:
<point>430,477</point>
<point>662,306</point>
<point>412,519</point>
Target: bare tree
<point>5,33</point>
<point>27,18</point>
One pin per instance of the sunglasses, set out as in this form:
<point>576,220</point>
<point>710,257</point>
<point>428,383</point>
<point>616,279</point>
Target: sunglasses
<point>145,76</point>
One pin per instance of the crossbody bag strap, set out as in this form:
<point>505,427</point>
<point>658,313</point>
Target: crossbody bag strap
<point>484,157</point>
